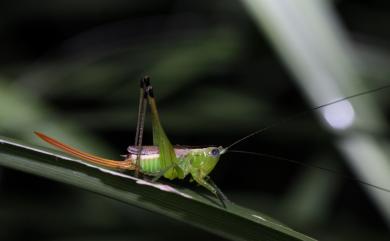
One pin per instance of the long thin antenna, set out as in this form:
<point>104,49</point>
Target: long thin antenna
<point>295,116</point>
<point>334,172</point>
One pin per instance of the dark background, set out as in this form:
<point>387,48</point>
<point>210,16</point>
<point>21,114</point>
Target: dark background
<point>71,69</point>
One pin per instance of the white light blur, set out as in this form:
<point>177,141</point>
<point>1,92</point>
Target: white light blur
<point>339,116</point>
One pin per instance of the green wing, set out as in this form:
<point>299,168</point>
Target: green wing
<point>167,154</point>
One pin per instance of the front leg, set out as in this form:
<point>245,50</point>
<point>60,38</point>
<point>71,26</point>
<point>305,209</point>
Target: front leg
<point>210,186</point>
<point>212,183</point>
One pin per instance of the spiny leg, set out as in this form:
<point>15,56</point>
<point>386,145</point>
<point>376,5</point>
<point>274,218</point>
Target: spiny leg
<point>212,188</point>
<point>140,123</point>
<point>167,153</point>
<point>220,193</point>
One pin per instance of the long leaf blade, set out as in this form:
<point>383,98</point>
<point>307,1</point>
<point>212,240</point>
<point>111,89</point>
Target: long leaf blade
<point>234,222</point>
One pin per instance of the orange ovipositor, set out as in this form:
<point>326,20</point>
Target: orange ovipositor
<point>115,164</point>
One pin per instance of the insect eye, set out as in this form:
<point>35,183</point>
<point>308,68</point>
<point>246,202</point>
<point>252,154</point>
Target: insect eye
<point>214,152</point>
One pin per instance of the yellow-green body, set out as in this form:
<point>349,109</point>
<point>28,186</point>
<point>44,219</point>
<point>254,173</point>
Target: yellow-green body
<point>197,162</point>
<point>172,164</point>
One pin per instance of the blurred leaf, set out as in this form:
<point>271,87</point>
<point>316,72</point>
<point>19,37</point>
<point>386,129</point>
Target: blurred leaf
<point>21,111</point>
<point>234,222</point>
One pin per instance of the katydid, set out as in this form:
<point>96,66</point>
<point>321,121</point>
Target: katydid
<point>161,159</point>
<point>164,159</point>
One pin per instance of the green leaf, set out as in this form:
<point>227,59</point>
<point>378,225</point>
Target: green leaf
<point>234,222</point>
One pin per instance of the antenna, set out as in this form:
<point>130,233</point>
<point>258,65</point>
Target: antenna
<point>331,171</point>
<point>295,116</point>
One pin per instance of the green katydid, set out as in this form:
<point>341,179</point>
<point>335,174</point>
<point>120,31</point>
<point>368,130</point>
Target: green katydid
<point>161,159</point>
<point>164,159</point>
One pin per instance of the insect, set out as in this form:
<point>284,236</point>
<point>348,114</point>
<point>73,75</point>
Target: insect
<point>161,159</point>
<point>165,160</point>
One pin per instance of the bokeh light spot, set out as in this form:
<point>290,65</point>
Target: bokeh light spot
<point>340,116</point>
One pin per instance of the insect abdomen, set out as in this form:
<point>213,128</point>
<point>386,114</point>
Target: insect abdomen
<point>150,165</point>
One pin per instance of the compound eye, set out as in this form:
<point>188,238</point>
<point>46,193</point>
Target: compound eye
<point>215,152</point>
